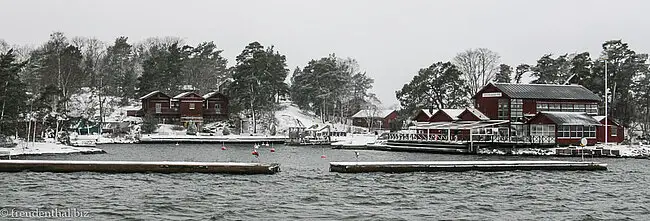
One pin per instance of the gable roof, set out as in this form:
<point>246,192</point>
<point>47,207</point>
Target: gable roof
<point>427,112</point>
<point>544,91</point>
<point>152,94</point>
<point>477,113</point>
<point>184,94</point>
<point>372,113</point>
<point>601,118</point>
<point>453,113</point>
<point>570,118</point>
<point>211,94</point>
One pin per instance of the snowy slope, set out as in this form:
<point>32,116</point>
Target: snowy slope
<point>291,116</point>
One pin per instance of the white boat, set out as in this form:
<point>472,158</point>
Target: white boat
<point>83,143</point>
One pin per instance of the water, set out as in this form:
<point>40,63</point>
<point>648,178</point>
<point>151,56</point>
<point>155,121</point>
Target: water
<point>306,190</point>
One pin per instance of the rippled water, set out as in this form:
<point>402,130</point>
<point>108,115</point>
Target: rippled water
<point>306,190</point>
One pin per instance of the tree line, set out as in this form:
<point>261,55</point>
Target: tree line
<point>452,84</point>
<point>40,81</point>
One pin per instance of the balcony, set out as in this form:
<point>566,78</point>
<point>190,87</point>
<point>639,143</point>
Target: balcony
<point>213,111</point>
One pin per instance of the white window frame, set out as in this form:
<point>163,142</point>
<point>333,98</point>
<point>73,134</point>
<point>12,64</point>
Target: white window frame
<point>562,129</point>
<point>613,130</point>
<point>158,108</point>
<point>192,106</point>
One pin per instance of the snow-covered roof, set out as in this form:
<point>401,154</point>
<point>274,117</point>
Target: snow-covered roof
<point>478,113</point>
<point>453,113</point>
<point>599,118</point>
<point>372,113</point>
<point>428,113</point>
<point>209,95</point>
<point>184,94</point>
<point>570,118</point>
<point>151,94</point>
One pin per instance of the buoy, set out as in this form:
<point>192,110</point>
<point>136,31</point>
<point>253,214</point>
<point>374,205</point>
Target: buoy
<point>323,156</point>
<point>223,147</point>
<point>256,146</point>
<point>267,144</point>
<point>176,144</point>
<point>255,153</point>
<point>272,150</point>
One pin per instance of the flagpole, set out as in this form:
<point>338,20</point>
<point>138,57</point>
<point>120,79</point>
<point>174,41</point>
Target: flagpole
<point>606,101</point>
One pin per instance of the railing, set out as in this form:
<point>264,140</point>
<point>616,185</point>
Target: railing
<point>477,138</point>
<point>210,111</point>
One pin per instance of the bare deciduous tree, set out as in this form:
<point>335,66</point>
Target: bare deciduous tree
<point>479,67</point>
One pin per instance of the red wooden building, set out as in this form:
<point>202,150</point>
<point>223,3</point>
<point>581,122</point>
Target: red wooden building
<point>616,133</point>
<point>183,108</point>
<point>423,115</point>
<point>533,108</point>
<point>376,118</point>
<point>561,114</point>
<point>216,106</point>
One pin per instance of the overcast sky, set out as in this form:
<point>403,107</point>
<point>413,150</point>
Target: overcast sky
<point>391,40</point>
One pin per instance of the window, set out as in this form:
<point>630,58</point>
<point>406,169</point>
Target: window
<point>192,106</point>
<point>564,131</point>
<point>574,131</point>
<point>567,107</point>
<point>547,130</point>
<point>217,108</point>
<point>613,130</point>
<point>554,107</point>
<point>516,109</point>
<point>592,108</point>
<point>502,111</point>
<point>591,132</point>
<point>158,108</point>
<point>579,108</point>
<point>579,131</point>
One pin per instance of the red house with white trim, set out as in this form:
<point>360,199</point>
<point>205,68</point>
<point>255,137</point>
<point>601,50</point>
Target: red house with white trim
<point>183,108</point>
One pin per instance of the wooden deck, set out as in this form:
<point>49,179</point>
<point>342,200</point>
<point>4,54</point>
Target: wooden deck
<point>460,166</point>
<point>136,167</point>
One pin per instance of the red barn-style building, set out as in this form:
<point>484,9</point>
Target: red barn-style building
<point>539,113</point>
<point>380,118</point>
<point>183,108</point>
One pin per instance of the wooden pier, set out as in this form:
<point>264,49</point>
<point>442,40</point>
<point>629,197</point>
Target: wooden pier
<point>212,139</point>
<point>136,167</point>
<point>460,166</point>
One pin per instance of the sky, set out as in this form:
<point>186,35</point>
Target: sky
<point>391,40</point>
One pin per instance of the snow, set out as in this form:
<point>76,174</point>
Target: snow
<point>290,115</point>
<point>625,150</point>
<point>36,148</point>
<point>357,140</point>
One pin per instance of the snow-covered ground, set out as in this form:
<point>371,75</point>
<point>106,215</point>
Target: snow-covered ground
<point>357,140</point>
<point>625,150</point>
<point>35,148</point>
<point>290,115</point>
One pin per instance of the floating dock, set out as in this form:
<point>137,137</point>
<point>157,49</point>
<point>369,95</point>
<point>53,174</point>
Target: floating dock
<point>136,167</point>
<point>212,139</point>
<point>460,166</point>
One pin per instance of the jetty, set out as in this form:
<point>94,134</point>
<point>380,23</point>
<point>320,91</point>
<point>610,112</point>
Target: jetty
<point>211,139</point>
<point>461,166</point>
<point>56,166</point>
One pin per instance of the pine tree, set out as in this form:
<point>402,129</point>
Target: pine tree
<point>13,92</point>
<point>503,75</point>
<point>520,71</point>
<point>440,86</point>
<point>258,76</point>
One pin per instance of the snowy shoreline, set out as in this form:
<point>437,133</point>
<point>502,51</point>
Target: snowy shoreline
<point>46,149</point>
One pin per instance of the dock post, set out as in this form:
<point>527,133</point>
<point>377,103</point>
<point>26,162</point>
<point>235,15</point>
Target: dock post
<point>471,142</point>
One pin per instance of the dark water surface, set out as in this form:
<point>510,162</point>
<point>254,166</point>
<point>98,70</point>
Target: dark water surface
<point>306,190</point>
